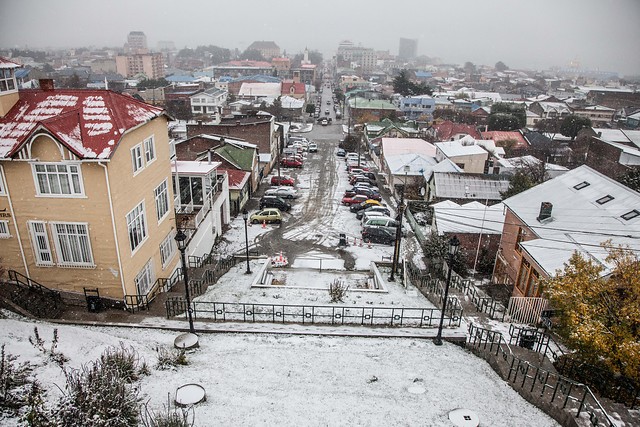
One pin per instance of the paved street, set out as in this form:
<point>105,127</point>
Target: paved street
<point>317,217</point>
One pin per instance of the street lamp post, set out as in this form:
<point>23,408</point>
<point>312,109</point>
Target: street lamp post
<point>245,216</point>
<point>181,239</point>
<point>454,245</point>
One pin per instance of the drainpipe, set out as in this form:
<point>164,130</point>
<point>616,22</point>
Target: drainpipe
<point>15,223</point>
<point>113,225</point>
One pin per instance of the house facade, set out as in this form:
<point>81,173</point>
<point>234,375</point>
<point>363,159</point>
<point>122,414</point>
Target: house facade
<point>86,191</point>
<point>209,102</point>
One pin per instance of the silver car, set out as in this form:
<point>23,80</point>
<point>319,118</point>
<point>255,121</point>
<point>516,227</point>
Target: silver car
<point>284,192</point>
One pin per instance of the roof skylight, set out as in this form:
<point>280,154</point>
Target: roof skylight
<point>605,199</point>
<point>630,215</point>
<point>582,185</point>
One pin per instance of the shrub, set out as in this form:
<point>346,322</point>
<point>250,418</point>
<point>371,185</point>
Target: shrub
<point>170,417</point>
<point>170,359</point>
<point>52,352</point>
<point>125,361</point>
<point>337,291</point>
<point>15,383</point>
<point>97,395</point>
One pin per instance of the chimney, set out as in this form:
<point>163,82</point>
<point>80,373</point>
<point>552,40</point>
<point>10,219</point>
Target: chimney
<point>209,156</point>
<point>46,84</point>
<point>545,211</point>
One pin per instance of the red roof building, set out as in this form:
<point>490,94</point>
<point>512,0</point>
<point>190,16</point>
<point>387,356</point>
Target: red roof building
<point>293,89</point>
<point>447,130</point>
<point>500,138</point>
<point>90,123</point>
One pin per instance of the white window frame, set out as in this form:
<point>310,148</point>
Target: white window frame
<point>73,248</point>
<point>149,145</point>
<point>4,229</point>
<point>162,200</point>
<point>137,222</point>
<point>168,249</point>
<point>40,242</point>
<point>8,80</point>
<point>2,193</point>
<point>137,161</point>
<point>146,277</point>
<point>56,177</point>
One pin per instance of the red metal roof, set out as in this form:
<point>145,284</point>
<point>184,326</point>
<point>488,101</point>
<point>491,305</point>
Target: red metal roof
<point>237,178</point>
<point>499,136</point>
<point>7,63</point>
<point>89,122</point>
<point>298,88</point>
<point>447,129</point>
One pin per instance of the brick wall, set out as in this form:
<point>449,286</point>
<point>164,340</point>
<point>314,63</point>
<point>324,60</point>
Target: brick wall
<point>257,132</point>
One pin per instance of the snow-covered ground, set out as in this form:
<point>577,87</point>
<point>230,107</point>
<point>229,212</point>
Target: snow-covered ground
<point>298,380</point>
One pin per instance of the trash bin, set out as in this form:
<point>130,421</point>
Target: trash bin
<point>343,239</point>
<point>94,304</point>
<point>527,339</point>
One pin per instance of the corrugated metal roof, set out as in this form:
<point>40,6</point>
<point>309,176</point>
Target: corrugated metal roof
<point>472,218</point>
<point>469,186</point>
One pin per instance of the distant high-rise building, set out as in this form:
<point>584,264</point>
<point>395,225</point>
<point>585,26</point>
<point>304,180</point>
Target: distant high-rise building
<point>268,49</point>
<point>136,42</point>
<point>149,64</point>
<point>408,49</point>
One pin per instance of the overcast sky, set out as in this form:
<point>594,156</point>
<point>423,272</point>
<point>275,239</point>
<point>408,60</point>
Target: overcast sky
<point>534,34</point>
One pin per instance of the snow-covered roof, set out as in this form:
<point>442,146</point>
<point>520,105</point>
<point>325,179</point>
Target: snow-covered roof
<point>264,157</point>
<point>6,63</point>
<point>469,186</point>
<point>455,149</point>
<point>472,218</point>
<point>187,167</point>
<point>588,209</point>
<point>391,146</point>
<point>417,163</point>
<point>271,90</point>
<point>291,102</point>
<point>90,123</point>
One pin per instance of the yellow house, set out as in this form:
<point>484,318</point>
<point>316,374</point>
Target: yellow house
<point>86,198</point>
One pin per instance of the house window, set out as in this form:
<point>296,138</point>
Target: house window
<point>57,179</point>
<point>136,226</point>
<point>149,150</point>
<point>582,185</point>
<point>40,243</point>
<point>136,158</point>
<point>167,249</point>
<point>630,215</point>
<point>73,247</point>
<point>605,199</point>
<point>7,81</point>
<point>523,275</point>
<point>162,200</point>
<point>145,278</point>
<point>533,283</point>
<point>190,190</point>
<point>4,230</point>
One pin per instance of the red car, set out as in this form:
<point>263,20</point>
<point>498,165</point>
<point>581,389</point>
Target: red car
<point>291,163</point>
<point>355,200</point>
<point>282,180</point>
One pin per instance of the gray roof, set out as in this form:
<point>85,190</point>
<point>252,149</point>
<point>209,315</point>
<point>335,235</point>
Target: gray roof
<point>580,219</point>
<point>469,186</point>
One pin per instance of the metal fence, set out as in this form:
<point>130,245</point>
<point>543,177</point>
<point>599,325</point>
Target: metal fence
<point>310,314</point>
<point>543,386</point>
<point>526,309</point>
<point>535,339</point>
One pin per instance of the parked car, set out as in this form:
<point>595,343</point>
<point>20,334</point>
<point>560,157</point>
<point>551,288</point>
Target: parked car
<point>282,180</point>
<point>382,209</point>
<point>366,185</point>
<point>364,205</point>
<point>313,147</point>
<point>363,190</point>
<point>284,192</point>
<point>288,162</point>
<point>360,178</point>
<point>275,202</point>
<point>383,221</point>
<point>341,152</point>
<point>371,214</point>
<point>324,122</point>
<point>354,200</point>
<point>266,215</point>
<point>378,235</point>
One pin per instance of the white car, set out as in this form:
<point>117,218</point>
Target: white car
<point>284,192</point>
<point>313,147</point>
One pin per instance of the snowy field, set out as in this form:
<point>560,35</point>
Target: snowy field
<point>265,380</point>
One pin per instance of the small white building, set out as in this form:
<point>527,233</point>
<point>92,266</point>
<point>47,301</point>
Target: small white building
<point>209,102</point>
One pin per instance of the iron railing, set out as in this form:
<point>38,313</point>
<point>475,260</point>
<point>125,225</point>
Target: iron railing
<point>50,303</point>
<point>543,386</point>
<point>310,314</point>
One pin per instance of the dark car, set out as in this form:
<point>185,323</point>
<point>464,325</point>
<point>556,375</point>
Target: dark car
<point>364,205</point>
<point>341,152</point>
<point>383,210</point>
<point>371,194</point>
<point>378,235</point>
<point>282,180</point>
<point>275,202</point>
